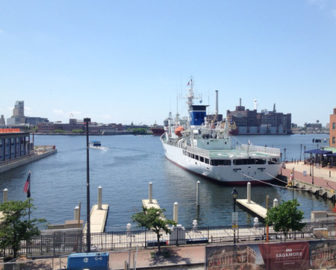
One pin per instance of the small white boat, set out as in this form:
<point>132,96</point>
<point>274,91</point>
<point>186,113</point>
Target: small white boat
<point>95,144</point>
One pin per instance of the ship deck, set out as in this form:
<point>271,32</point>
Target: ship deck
<point>235,153</point>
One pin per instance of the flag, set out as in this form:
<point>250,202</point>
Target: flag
<point>26,188</point>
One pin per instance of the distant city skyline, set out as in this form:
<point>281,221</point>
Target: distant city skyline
<point>129,61</point>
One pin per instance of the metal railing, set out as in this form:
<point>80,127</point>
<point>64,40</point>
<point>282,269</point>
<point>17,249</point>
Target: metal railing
<point>65,242</point>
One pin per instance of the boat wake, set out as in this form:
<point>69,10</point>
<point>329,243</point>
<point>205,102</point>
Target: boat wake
<point>101,148</point>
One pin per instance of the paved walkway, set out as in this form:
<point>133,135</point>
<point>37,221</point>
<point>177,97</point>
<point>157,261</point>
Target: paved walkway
<point>179,258</point>
<point>322,177</point>
<point>147,258</point>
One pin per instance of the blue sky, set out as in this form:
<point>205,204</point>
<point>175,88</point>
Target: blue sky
<point>127,61</point>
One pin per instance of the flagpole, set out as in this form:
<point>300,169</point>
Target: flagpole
<point>29,196</point>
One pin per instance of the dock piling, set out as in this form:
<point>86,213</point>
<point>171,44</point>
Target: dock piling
<point>197,193</point>
<point>150,190</point>
<point>76,213</point>
<point>100,195</point>
<point>248,192</point>
<point>275,202</point>
<point>267,201</point>
<point>5,195</point>
<point>175,212</point>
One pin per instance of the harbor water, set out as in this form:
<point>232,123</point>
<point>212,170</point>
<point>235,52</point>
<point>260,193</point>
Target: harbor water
<point>124,166</point>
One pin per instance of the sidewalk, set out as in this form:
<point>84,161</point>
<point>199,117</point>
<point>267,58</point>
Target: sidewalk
<point>322,177</point>
<point>179,256</point>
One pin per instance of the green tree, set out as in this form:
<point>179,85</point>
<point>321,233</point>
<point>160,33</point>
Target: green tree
<point>285,217</point>
<point>77,131</point>
<point>59,131</point>
<point>152,219</point>
<point>15,226</point>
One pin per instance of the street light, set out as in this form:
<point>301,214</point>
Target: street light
<point>234,194</point>
<point>129,235</point>
<point>88,231</point>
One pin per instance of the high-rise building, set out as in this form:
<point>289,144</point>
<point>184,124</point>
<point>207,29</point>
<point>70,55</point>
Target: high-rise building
<point>2,121</point>
<point>18,117</point>
<point>332,129</point>
<point>18,110</point>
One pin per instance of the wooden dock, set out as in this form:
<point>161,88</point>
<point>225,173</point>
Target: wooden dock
<point>253,207</point>
<point>97,219</point>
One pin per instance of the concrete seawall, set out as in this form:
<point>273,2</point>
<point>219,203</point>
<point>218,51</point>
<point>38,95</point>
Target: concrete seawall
<point>39,153</point>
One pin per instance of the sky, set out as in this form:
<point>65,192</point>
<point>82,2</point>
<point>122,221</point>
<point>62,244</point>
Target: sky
<point>129,61</point>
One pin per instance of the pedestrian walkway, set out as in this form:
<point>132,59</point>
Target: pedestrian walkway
<point>171,256</point>
<point>314,175</point>
<point>318,171</point>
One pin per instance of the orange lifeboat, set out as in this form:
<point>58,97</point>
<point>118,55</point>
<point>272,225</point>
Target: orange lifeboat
<point>178,131</point>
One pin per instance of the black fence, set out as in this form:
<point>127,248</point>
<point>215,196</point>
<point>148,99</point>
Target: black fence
<point>63,242</point>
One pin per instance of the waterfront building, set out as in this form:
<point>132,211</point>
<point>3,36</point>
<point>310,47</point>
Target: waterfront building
<point>18,117</point>
<point>34,121</point>
<point>332,129</point>
<point>2,121</point>
<point>18,114</point>
<point>251,122</point>
<point>14,144</point>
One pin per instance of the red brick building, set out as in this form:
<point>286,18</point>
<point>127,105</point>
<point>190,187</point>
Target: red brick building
<point>332,129</point>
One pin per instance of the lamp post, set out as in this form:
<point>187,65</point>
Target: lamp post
<point>234,194</point>
<point>300,150</point>
<point>88,232</point>
<point>129,235</point>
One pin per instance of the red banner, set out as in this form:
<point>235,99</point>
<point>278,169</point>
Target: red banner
<point>285,256</point>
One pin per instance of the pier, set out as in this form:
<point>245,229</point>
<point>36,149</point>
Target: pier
<point>253,207</point>
<point>38,153</point>
<point>98,215</point>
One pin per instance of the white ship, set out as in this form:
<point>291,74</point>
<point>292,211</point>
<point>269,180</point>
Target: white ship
<point>207,149</point>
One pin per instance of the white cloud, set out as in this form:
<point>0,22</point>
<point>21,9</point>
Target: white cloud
<point>71,114</point>
<point>58,112</point>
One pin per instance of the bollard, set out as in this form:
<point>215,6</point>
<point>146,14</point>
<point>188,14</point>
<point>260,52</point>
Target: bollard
<point>255,222</point>
<point>194,223</point>
<point>76,213</point>
<point>100,195</point>
<point>150,190</point>
<point>275,202</point>
<point>267,200</point>
<point>197,193</point>
<point>175,212</point>
<point>5,195</point>
<point>248,192</point>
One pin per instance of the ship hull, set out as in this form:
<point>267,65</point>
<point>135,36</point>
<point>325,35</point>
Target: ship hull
<point>232,174</point>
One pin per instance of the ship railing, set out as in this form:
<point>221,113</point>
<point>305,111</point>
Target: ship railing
<point>262,149</point>
<point>198,151</point>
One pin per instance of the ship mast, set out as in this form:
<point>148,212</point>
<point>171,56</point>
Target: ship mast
<point>191,94</point>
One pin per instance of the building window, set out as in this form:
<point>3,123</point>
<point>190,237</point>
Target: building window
<point>333,126</point>
<point>333,140</point>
